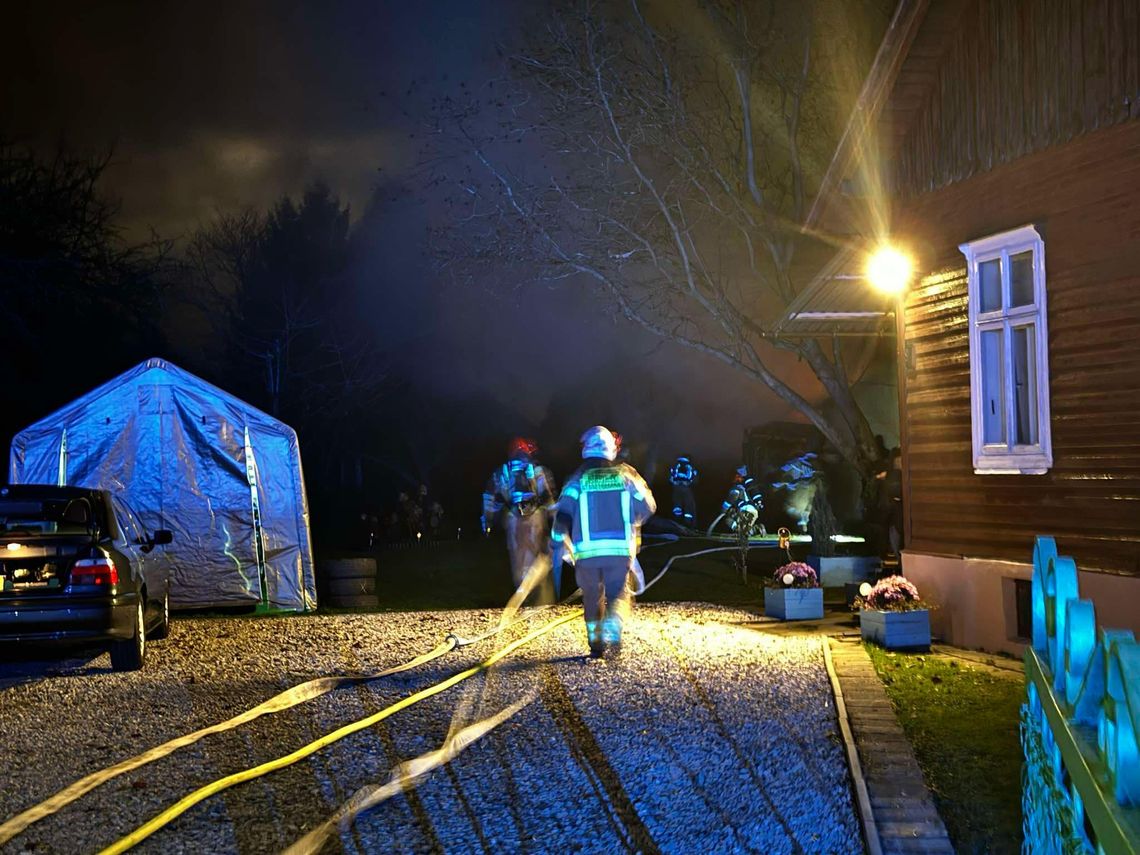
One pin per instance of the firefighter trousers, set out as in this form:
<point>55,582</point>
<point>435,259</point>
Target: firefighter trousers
<point>607,597</point>
<point>684,505</point>
<point>528,542</point>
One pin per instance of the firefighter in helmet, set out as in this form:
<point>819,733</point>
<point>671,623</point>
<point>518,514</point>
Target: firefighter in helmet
<point>743,503</point>
<point>598,520</point>
<point>683,475</point>
<point>521,493</point>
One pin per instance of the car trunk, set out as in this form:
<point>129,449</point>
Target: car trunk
<point>38,568</point>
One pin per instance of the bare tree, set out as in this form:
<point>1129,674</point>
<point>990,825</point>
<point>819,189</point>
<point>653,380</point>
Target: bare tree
<point>79,300</point>
<point>64,263</point>
<point>266,319</point>
<point>276,286</point>
<point>663,158</point>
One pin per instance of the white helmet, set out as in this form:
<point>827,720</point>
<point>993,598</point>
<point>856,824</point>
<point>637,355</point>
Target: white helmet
<point>599,441</point>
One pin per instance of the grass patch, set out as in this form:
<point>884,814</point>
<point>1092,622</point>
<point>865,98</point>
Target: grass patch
<point>963,724</point>
<point>711,578</point>
<point>452,575</point>
<point>475,574</point>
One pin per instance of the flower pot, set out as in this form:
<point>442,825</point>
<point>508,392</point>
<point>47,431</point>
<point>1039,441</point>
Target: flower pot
<point>793,603</point>
<point>896,630</point>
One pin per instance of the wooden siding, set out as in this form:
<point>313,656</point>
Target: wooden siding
<point>1020,76</point>
<point>1085,198</point>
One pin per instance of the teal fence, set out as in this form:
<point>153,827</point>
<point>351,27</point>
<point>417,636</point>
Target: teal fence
<point>1079,726</point>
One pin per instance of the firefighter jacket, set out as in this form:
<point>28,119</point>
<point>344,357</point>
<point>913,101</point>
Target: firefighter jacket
<point>747,491</point>
<point>520,485</point>
<point>683,473</point>
<point>602,508</point>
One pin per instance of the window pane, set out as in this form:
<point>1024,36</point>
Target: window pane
<point>1024,386</point>
<point>1021,279</point>
<point>989,275</point>
<point>126,522</point>
<point>993,390</point>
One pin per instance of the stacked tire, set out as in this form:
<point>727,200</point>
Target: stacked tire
<point>349,583</point>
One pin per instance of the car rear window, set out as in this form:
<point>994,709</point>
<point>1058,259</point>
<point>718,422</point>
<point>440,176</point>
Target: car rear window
<point>48,516</point>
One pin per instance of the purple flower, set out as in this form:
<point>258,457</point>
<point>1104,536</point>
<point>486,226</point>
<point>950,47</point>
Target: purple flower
<point>891,594</point>
<point>801,576</point>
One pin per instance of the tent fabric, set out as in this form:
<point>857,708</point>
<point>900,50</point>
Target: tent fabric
<point>194,459</point>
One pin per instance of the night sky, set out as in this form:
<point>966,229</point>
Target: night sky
<point>213,106</point>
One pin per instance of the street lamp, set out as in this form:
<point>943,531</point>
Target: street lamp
<point>889,270</point>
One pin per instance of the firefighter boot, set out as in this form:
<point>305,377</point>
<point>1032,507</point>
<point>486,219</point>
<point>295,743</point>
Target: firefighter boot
<point>611,633</point>
<point>594,637</point>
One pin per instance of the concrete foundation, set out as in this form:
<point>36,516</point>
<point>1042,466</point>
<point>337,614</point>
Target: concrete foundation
<point>977,606</point>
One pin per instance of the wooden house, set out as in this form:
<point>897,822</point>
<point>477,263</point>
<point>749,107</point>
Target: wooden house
<point>1006,137</point>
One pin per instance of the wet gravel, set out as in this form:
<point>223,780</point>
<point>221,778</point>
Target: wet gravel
<point>702,736</point>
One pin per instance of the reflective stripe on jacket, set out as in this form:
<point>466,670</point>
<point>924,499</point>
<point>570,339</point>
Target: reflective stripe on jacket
<point>602,508</point>
<point>683,473</point>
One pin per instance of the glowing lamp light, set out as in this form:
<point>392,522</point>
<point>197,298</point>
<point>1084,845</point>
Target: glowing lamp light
<point>12,547</point>
<point>865,589</point>
<point>789,578</point>
<point>889,270</point>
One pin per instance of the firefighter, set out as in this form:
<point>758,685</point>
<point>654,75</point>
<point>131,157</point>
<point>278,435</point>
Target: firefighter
<point>743,503</point>
<point>735,492</point>
<point>522,493</point>
<point>683,475</point>
<point>598,520</point>
<point>801,480</point>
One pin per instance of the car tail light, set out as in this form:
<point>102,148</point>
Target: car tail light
<point>94,571</point>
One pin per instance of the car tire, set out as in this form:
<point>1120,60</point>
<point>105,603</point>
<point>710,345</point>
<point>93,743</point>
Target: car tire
<point>349,568</point>
<point>354,601</point>
<point>348,587</point>
<point>162,628</point>
<point>129,654</point>
<point>348,583</point>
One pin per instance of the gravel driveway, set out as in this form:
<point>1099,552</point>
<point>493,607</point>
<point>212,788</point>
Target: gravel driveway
<point>704,736</point>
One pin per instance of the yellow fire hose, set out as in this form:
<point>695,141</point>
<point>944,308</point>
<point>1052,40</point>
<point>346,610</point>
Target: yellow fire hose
<point>174,811</point>
<point>408,773</point>
<point>403,777</point>
<point>285,700</point>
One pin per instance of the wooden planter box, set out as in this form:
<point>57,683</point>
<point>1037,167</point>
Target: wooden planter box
<point>896,630</point>
<point>793,603</point>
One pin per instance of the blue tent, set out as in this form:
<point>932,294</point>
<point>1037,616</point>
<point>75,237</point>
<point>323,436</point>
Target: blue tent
<point>222,475</point>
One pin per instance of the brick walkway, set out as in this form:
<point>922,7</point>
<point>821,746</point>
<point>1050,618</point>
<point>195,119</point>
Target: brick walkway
<point>902,806</point>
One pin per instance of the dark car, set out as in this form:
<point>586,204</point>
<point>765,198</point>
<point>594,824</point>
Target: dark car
<point>76,565</point>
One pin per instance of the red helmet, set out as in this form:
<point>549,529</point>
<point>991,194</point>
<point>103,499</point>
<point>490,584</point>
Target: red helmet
<point>521,445</point>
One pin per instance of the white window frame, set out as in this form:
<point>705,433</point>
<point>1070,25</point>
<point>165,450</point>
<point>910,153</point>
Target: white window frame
<point>1009,458</point>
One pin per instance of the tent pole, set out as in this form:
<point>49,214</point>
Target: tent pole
<point>61,478</point>
<point>255,505</point>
